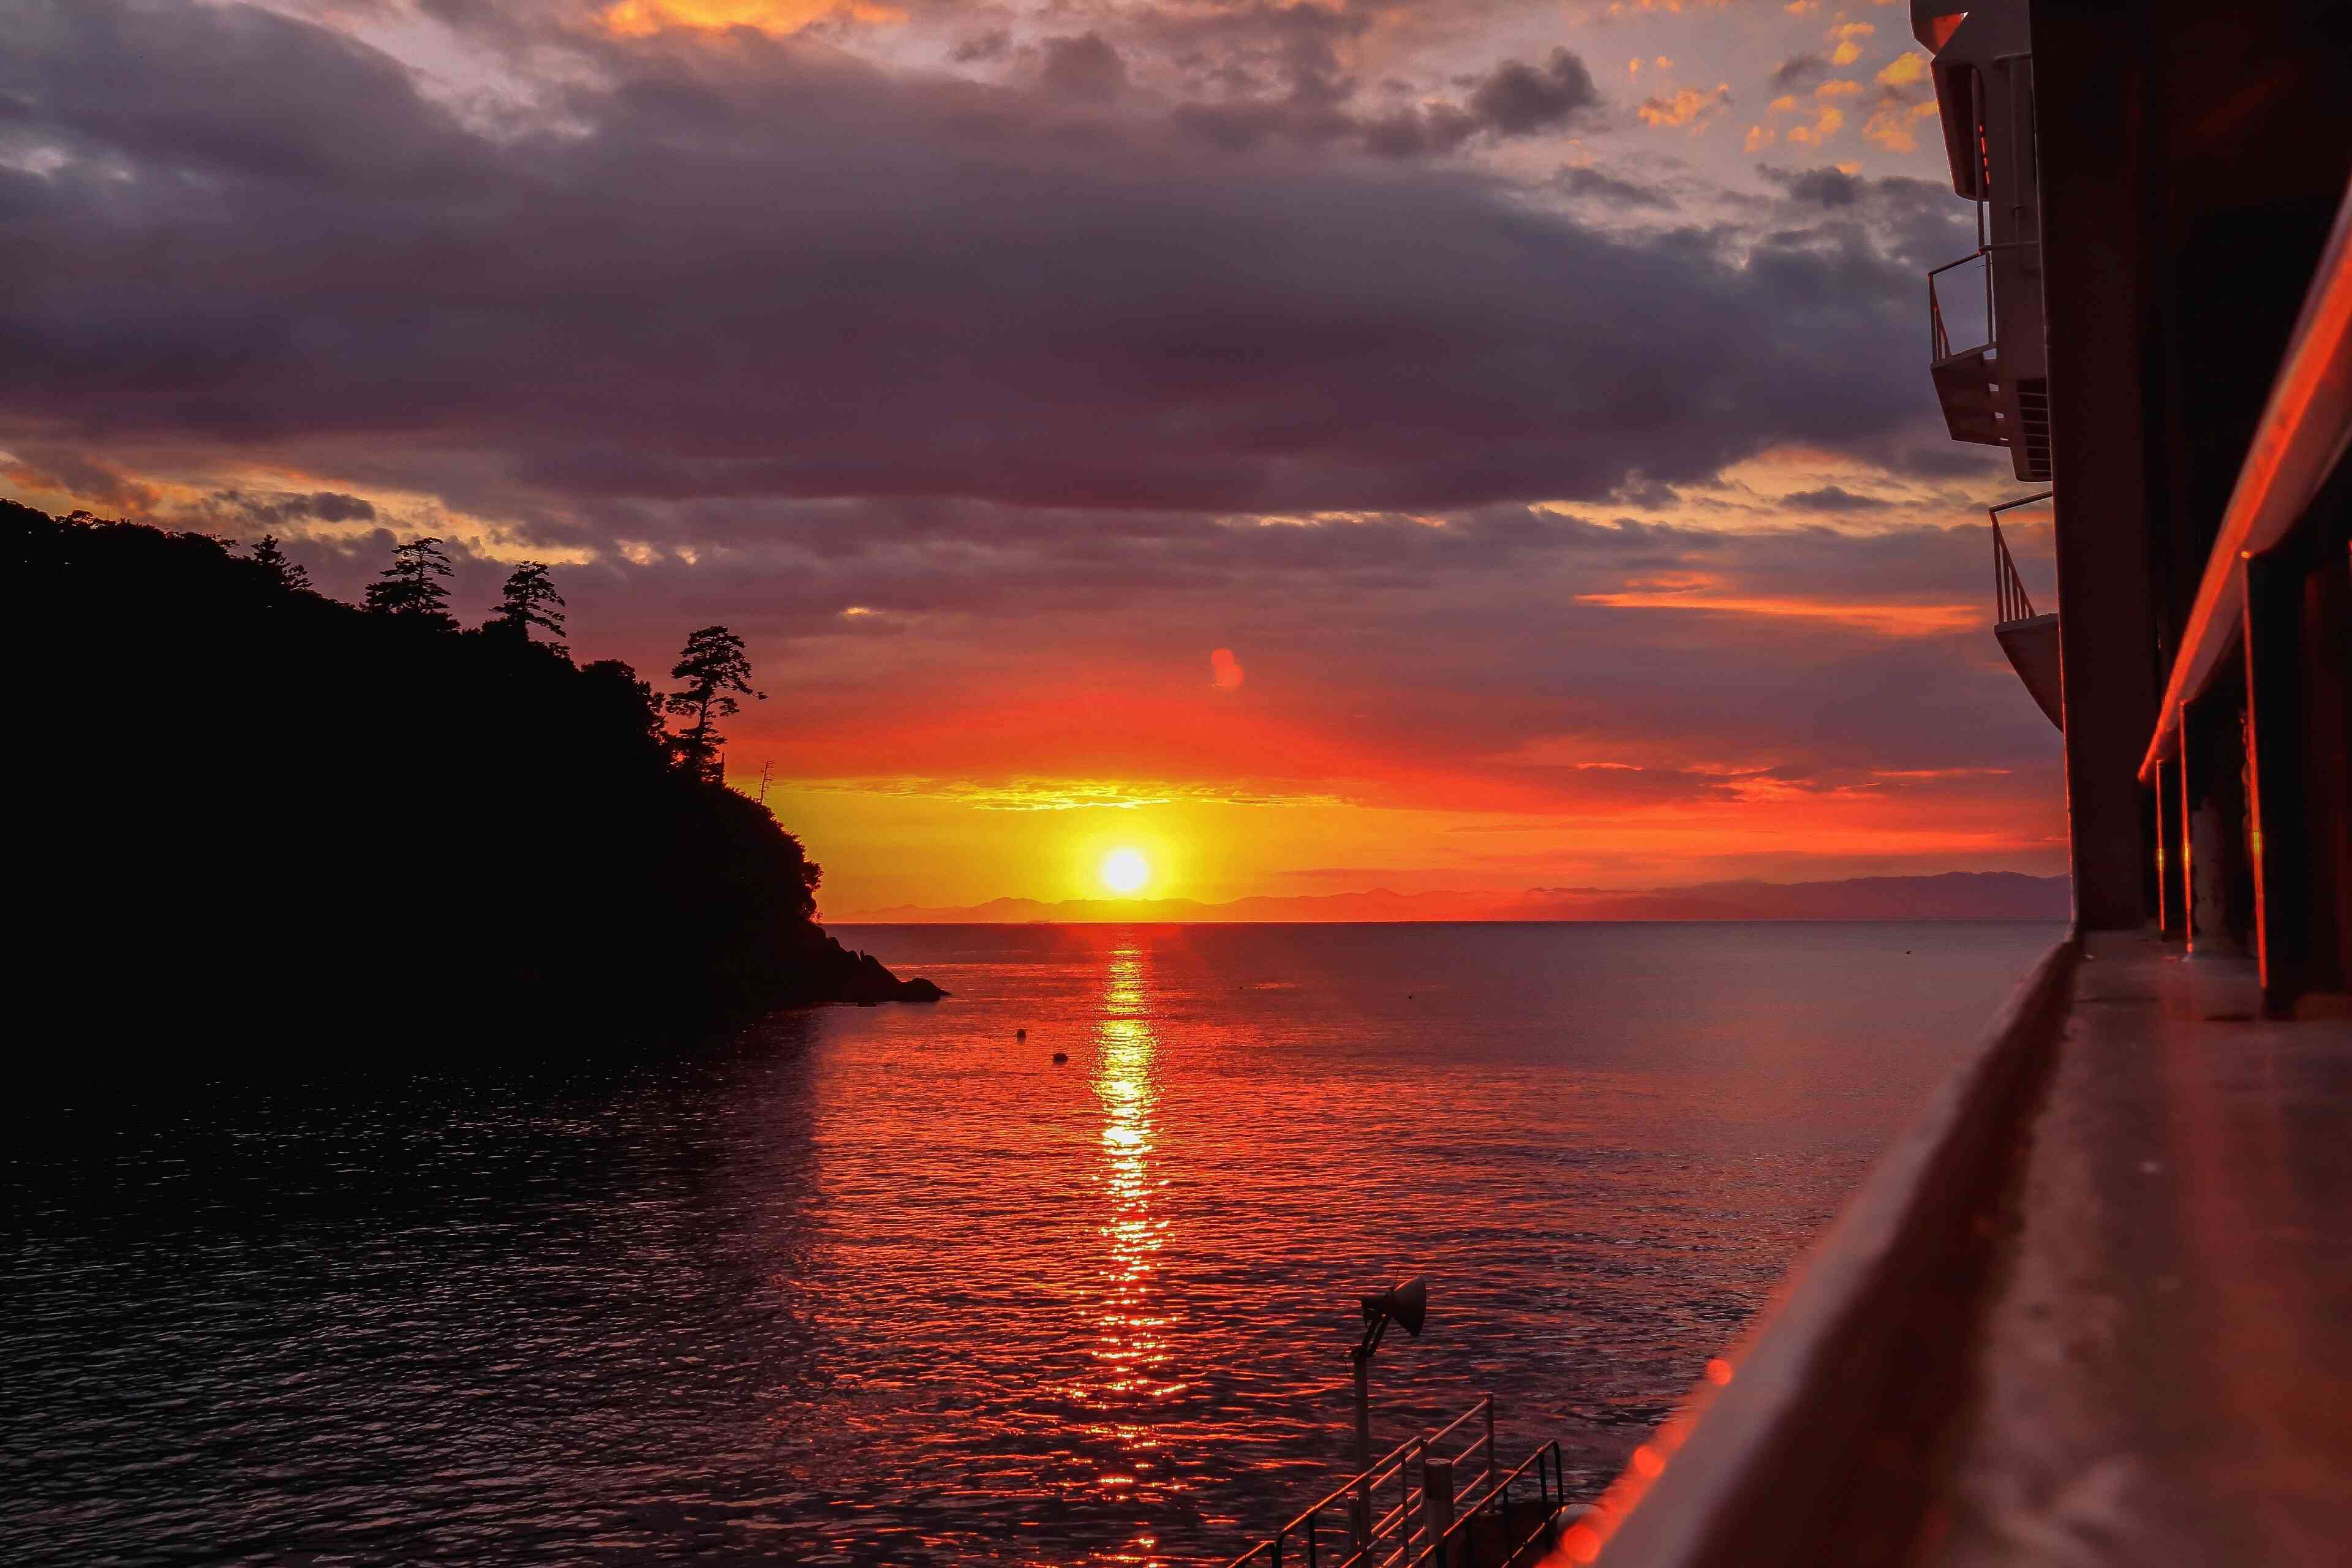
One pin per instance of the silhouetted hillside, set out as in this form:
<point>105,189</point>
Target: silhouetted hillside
<point>250,809</point>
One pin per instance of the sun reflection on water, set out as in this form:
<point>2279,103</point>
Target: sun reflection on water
<point>1131,1350</point>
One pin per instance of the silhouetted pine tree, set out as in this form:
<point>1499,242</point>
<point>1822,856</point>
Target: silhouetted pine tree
<point>291,579</point>
<point>713,665</point>
<point>411,584</point>
<point>630,702</point>
<point>529,600</point>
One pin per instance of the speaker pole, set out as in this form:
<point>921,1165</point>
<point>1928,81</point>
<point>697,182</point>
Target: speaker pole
<point>1360,1512</point>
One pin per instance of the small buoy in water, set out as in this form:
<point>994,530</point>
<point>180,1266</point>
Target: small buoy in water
<point>1061,1057</point>
<point>1020,1034</point>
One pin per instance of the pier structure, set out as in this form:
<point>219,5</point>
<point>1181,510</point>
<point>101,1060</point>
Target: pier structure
<point>1438,1499</point>
<point>2096,1308</point>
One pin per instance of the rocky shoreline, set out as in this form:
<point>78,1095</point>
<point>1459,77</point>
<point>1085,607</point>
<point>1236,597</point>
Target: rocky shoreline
<point>863,979</point>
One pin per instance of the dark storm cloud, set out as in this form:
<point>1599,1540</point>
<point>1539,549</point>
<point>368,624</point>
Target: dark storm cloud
<point>1834,498</point>
<point>1913,222</point>
<point>1608,188</point>
<point>1937,458</point>
<point>1934,565</point>
<point>1830,188</point>
<point>234,92</point>
<point>1086,70</point>
<point>1317,108</point>
<point>278,508</point>
<point>1248,50</point>
<point>793,564</point>
<point>994,45</point>
<point>1798,70</point>
<point>736,268</point>
<point>1521,100</point>
<point>1381,626</point>
<point>928,554</point>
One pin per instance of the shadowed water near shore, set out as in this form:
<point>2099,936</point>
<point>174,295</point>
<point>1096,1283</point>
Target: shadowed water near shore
<point>890,1286</point>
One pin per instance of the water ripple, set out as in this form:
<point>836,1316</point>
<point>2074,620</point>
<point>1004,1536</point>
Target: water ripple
<point>888,1286</point>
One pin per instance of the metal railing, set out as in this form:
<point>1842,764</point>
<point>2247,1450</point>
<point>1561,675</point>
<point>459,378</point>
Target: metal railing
<point>1939,341</point>
<point>1326,1531</point>
<point>1312,1539</point>
<point>1940,337</point>
<point>1509,1540</point>
<point>2010,598</point>
<point>1482,1442</point>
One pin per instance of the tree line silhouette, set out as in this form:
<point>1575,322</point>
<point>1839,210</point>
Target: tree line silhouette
<point>261,814</point>
<point>713,663</point>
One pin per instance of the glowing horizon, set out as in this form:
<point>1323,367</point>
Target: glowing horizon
<point>1095,450</point>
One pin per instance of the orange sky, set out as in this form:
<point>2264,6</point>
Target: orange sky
<point>1275,773</point>
<point>1449,445</point>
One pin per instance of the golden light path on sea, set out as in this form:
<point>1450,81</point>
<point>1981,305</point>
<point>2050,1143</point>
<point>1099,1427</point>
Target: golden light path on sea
<point>1132,1350</point>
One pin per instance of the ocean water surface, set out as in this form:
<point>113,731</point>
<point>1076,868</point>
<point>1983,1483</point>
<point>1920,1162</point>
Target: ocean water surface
<point>891,1286</point>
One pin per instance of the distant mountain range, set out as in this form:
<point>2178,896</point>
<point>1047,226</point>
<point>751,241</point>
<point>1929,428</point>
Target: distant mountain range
<point>1953,896</point>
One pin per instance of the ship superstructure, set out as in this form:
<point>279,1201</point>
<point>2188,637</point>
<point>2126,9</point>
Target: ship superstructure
<point>1984,310</point>
<point>2161,201</point>
<point>2093,1309</point>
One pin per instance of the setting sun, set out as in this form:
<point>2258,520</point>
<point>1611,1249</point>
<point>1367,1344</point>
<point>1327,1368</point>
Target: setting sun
<point>1125,871</point>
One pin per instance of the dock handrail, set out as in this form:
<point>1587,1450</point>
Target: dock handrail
<point>1483,1443</point>
<point>1395,1533</point>
<point>1551,1496</point>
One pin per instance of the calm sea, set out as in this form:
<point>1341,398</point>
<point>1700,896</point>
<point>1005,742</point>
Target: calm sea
<point>891,1286</point>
